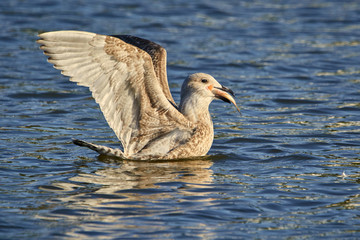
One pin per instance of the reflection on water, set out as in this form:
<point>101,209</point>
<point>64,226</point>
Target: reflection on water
<point>135,180</point>
<point>143,175</point>
<point>131,189</point>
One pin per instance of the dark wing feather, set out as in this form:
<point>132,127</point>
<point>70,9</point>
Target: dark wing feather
<point>158,57</point>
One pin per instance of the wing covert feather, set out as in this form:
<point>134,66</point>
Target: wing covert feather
<point>158,57</point>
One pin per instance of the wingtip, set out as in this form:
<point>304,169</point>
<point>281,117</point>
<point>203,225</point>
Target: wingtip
<point>79,142</point>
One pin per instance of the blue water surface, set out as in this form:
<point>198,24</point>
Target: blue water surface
<point>287,168</point>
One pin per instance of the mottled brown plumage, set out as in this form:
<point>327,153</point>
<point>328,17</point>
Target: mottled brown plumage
<point>127,78</point>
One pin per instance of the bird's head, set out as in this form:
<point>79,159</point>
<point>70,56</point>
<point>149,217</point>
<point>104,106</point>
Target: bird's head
<point>206,88</point>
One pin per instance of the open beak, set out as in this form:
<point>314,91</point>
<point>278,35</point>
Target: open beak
<point>225,94</point>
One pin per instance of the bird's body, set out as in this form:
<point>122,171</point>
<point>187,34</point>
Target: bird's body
<point>127,78</point>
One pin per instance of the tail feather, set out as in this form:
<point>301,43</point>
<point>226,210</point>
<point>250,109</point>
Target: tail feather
<point>100,149</point>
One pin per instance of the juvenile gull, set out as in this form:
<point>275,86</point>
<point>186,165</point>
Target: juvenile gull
<point>127,78</point>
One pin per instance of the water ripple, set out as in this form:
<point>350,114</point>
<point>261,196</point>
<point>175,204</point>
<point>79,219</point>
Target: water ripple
<point>286,168</point>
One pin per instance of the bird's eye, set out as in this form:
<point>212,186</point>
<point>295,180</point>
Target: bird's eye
<point>204,80</point>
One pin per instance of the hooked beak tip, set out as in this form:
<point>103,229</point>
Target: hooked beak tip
<point>225,94</point>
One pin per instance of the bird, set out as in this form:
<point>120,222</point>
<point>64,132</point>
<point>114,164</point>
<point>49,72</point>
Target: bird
<point>127,77</point>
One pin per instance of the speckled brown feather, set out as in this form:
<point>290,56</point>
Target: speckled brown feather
<point>158,56</point>
<point>127,78</point>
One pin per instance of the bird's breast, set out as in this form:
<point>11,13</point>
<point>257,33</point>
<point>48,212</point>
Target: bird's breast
<point>198,144</point>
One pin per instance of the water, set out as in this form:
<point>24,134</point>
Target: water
<point>288,168</point>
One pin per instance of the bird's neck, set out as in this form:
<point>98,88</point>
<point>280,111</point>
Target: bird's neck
<point>195,110</point>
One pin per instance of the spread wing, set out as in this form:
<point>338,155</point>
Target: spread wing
<point>133,95</point>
